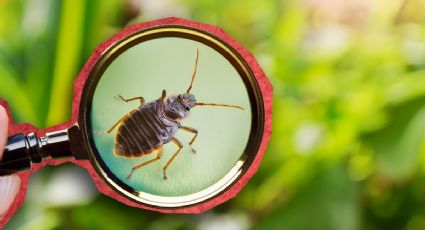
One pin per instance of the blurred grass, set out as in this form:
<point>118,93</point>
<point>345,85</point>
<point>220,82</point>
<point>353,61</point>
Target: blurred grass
<point>347,150</point>
<point>68,53</point>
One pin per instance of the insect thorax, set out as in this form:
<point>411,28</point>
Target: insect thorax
<point>175,110</point>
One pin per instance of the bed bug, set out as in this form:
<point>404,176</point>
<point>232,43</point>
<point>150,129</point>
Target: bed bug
<point>147,128</point>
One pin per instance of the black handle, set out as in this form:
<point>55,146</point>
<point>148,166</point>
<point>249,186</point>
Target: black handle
<point>16,155</point>
<point>22,150</point>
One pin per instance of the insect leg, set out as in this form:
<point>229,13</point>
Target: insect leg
<point>180,146</point>
<point>158,156</point>
<point>142,100</point>
<point>191,130</point>
<point>118,122</point>
<point>164,94</point>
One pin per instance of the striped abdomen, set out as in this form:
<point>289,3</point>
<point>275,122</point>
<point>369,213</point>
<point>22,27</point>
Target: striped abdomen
<point>143,131</point>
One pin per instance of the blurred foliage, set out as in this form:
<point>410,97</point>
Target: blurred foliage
<point>347,150</point>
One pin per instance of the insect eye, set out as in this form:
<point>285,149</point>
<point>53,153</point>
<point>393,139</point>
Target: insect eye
<point>187,108</point>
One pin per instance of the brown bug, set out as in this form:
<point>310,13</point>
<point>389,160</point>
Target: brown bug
<point>154,124</point>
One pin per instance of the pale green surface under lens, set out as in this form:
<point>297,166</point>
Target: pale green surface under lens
<point>167,63</point>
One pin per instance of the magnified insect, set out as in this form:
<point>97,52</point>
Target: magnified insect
<point>146,129</point>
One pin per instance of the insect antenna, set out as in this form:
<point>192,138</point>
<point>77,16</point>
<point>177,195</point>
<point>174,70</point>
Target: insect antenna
<point>194,71</point>
<point>223,105</point>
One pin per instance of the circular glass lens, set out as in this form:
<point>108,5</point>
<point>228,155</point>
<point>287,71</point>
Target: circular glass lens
<point>155,140</point>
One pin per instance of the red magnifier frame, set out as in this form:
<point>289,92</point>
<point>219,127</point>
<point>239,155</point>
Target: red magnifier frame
<point>69,151</point>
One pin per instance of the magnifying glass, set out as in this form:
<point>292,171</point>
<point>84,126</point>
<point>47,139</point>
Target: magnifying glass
<point>169,115</point>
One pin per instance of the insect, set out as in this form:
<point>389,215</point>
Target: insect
<point>147,128</point>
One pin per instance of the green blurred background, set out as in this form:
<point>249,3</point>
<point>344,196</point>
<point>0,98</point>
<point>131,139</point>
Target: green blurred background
<point>347,150</point>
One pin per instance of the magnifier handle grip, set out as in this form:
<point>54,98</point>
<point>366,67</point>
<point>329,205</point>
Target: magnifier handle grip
<point>23,150</point>
<point>16,156</point>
